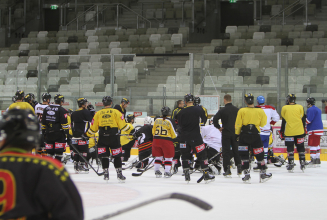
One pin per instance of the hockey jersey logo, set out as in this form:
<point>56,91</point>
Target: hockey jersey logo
<point>200,148</point>
<point>115,152</point>
<point>80,142</point>
<point>101,150</point>
<point>258,150</point>
<point>51,112</point>
<point>289,139</point>
<point>243,148</point>
<point>300,140</point>
<point>48,146</point>
<point>59,145</point>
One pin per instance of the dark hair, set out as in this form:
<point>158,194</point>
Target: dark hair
<point>179,102</point>
<point>228,97</point>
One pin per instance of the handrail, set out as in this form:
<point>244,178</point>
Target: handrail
<point>137,13</point>
<point>291,6</point>
<point>294,12</point>
<point>80,15</point>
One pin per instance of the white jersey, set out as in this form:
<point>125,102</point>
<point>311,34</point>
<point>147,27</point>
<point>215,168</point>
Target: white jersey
<point>272,116</point>
<point>39,110</point>
<point>211,136</point>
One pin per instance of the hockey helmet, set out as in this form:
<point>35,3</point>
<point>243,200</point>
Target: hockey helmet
<point>125,100</point>
<point>90,107</point>
<point>129,118</point>
<point>29,97</point>
<point>261,99</point>
<point>165,111</point>
<point>249,98</point>
<point>106,100</point>
<point>46,96</point>
<point>147,120</point>
<point>70,111</point>
<point>197,100</point>
<point>290,98</point>
<point>59,98</point>
<point>19,94</point>
<point>81,102</point>
<point>13,99</point>
<point>188,98</point>
<point>311,101</point>
<point>20,128</point>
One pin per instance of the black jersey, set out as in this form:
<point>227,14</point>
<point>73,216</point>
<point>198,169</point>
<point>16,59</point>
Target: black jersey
<point>203,122</point>
<point>81,121</point>
<point>228,116</point>
<point>36,188</point>
<point>54,119</point>
<point>144,134</point>
<point>175,113</point>
<point>120,108</point>
<point>189,119</point>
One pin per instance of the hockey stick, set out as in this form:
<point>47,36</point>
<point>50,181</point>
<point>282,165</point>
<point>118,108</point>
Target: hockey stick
<point>136,163</point>
<point>202,177</point>
<point>145,169</point>
<point>195,201</point>
<point>79,153</point>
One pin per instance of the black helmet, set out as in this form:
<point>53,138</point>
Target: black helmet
<point>188,98</point>
<point>107,100</point>
<point>20,128</point>
<point>81,101</point>
<point>197,100</point>
<point>19,94</point>
<point>59,98</point>
<point>165,111</point>
<point>125,100</point>
<point>29,97</point>
<point>311,100</point>
<point>291,98</point>
<point>35,103</point>
<point>249,98</point>
<point>46,96</point>
<point>90,107</point>
<point>14,99</point>
<point>129,118</point>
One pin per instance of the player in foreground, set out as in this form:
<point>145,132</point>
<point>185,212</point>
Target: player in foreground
<point>34,187</point>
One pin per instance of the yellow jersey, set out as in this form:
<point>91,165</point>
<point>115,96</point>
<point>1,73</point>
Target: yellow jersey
<point>69,120</point>
<point>21,105</point>
<point>164,129</point>
<point>247,115</point>
<point>293,115</point>
<point>92,141</point>
<point>125,139</point>
<point>108,121</point>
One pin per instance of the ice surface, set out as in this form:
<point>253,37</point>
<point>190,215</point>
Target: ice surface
<point>286,196</point>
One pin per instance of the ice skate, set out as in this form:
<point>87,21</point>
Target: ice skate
<point>239,170</point>
<point>290,167</point>
<point>207,177</point>
<point>76,167</point>
<point>175,169</point>
<point>302,165</point>
<point>264,177</point>
<point>247,177</point>
<point>312,163</point>
<point>106,174</point>
<point>158,174</point>
<point>167,174</point>
<point>120,176</point>
<point>83,168</point>
<point>228,173</point>
<point>187,175</point>
<point>213,170</point>
<point>317,161</point>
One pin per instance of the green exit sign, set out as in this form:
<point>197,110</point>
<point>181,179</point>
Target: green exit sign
<point>54,7</point>
<point>232,1</point>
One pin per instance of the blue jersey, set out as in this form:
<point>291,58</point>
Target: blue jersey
<point>314,122</point>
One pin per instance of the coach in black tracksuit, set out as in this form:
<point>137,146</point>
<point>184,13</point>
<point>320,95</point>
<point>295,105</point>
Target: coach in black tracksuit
<point>228,118</point>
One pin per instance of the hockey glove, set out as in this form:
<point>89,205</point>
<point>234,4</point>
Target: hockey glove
<point>281,135</point>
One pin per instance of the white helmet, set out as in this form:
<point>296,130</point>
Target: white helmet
<point>147,120</point>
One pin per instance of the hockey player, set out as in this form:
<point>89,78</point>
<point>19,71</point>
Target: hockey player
<point>39,112</point>
<point>180,106</point>
<point>163,132</point>
<point>55,128</point>
<point>126,139</point>
<point>315,130</point>
<point>212,138</point>
<point>176,159</point>
<point>33,187</point>
<point>81,121</point>
<point>20,102</point>
<point>247,128</point>
<point>122,107</point>
<point>190,137</point>
<point>30,98</point>
<point>227,115</point>
<point>272,118</point>
<point>197,102</point>
<point>144,138</point>
<point>108,122</point>
<point>292,130</point>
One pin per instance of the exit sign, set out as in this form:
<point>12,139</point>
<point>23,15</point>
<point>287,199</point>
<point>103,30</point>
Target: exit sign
<point>232,1</point>
<point>54,7</point>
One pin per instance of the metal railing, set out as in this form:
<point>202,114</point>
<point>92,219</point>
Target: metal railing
<point>96,15</point>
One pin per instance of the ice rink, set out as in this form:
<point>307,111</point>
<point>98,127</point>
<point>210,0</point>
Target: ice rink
<point>288,196</point>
